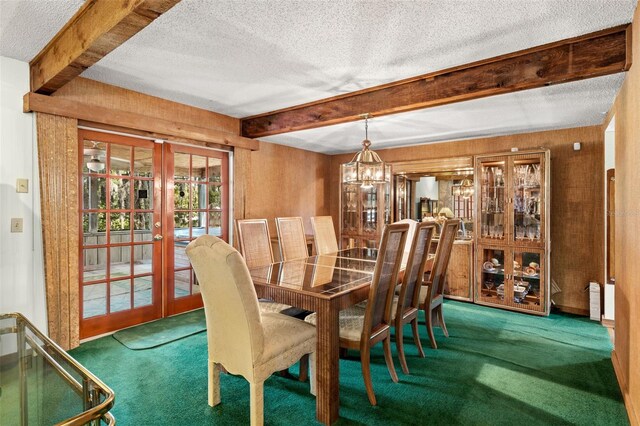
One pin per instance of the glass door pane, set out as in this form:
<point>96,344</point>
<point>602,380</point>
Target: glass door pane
<point>492,285</point>
<point>528,279</point>
<point>350,195</point>
<point>121,277</point>
<point>369,210</point>
<point>197,204</point>
<point>492,201</point>
<point>528,200</point>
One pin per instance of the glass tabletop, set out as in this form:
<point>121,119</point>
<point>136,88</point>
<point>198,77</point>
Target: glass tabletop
<point>318,277</point>
<point>358,253</point>
<point>333,260</point>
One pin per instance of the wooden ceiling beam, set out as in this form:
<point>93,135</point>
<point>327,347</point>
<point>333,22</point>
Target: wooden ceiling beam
<point>97,28</point>
<point>591,55</point>
<point>34,102</point>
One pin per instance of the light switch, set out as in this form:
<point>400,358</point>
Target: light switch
<point>16,224</point>
<point>22,185</point>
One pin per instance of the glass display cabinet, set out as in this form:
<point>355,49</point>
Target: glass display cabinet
<point>512,256</point>
<point>364,210</point>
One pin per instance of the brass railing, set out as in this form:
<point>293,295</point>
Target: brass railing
<point>26,366</point>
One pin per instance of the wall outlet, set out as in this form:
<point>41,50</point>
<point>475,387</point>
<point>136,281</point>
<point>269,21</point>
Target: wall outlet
<point>22,185</point>
<point>16,224</point>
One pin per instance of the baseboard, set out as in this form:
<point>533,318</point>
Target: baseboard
<point>571,310</point>
<point>634,419</point>
<point>608,323</point>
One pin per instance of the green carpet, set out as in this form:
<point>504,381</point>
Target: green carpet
<point>161,332</point>
<point>497,368</point>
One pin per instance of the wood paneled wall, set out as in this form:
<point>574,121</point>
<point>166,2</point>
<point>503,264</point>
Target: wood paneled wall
<point>58,165</point>
<point>108,96</point>
<point>626,109</point>
<point>577,213</point>
<point>281,181</point>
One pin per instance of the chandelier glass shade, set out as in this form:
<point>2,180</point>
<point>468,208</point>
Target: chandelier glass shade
<point>366,168</point>
<point>465,189</point>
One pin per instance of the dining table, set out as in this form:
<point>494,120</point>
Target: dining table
<point>324,284</point>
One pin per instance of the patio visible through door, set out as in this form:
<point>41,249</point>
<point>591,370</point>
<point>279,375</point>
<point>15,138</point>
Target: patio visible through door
<point>196,200</point>
<point>142,202</point>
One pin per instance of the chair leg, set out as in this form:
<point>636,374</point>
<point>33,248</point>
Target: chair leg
<point>441,319</point>
<point>428,316</point>
<point>304,368</point>
<point>416,336</point>
<point>313,378</point>
<point>386,343</point>
<point>214,383</point>
<point>256,401</point>
<point>400,347</point>
<point>366,374</point>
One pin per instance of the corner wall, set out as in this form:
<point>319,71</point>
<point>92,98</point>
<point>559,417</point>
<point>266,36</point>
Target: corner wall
<point>626,355</point>
<point>21,261</point>
<point>577,190</point>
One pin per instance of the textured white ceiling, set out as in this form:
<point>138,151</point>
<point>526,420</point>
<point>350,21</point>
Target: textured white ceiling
<point>27,26</point>
<point>246,57</point>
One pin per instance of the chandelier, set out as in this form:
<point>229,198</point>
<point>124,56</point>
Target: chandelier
<point>465,189</point>
<point>366,168</point>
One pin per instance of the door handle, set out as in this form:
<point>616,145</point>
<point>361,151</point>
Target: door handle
<point>158,237</point>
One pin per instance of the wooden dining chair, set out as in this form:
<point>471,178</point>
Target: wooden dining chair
<point>363,327</point>
<point>292,239</point>
<point>254,242</point>
<point>324,234</point>
<point>432,294</point>
<point>240,338</point>
<point>407,245</point>
<point>405,307</point>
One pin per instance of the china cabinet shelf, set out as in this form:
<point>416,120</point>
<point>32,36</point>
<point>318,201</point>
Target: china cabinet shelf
<point>517,208</point>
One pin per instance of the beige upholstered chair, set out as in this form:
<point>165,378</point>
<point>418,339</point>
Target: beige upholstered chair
<point>293,242</point>
<point>255,246</point>
<point>432,294</point>
<point>240,338</point>
<point>361,328</point>
<point>405,306</point>
<point>324,234</point>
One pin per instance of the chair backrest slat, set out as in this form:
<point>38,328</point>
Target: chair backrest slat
<point>324,234</point>
<point>385,275</point>
<point>409,241</point>
<point>443,253</point>
<point>293,242</point>
<point>416,265</point>
<point>254,242</point>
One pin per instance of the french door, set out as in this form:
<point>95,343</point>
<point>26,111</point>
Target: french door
<point>142,202</point>
<point>196,200</point>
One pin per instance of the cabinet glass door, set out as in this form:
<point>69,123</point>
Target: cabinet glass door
<point>528,200</point>
<point>350,194</point>
<point>369,210</point>
<point>492,283</point>
<point>492,202</point>
<point>528,279</point>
